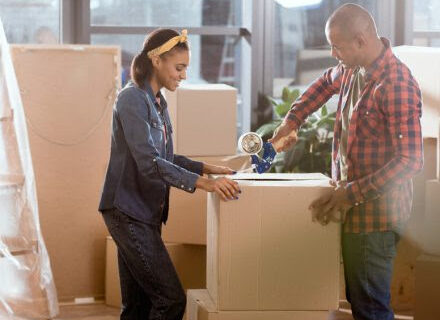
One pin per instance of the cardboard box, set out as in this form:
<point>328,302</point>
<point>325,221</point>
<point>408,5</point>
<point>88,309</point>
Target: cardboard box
<point>68,93</point>
<point>428,173</point>
<point>200,306</point>
<point>431,223</point>
<point>424,63</point>
<point>438,151</point>
<point>204,119</point>
<point>187,213</point>
<point>427,293</point>
<point>264,251</point>
<point>432,206</point>
<point>189,261</point>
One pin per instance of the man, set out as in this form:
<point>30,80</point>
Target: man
<point>377,149</point>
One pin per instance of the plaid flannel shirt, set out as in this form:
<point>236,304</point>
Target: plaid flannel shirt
<point>385,146</point>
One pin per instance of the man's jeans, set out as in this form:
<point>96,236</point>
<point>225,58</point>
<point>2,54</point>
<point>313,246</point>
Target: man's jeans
<point>368,265</point>
<point>150,287</point>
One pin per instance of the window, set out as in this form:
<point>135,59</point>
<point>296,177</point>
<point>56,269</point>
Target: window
<point>426,24</point>
<point>219,52</point>
<point>165,13</point>
<point>43,15</point>
<point>300,49</point>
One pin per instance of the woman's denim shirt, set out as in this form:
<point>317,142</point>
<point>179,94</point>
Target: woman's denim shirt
<point>141,167</point>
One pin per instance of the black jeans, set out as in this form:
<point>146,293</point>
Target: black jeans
<point>150,287</point>
<point>368,267</point>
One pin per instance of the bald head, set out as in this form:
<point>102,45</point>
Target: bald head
<point>351,20</point>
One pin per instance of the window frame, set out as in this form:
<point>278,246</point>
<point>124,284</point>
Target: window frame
<point>257,30</point>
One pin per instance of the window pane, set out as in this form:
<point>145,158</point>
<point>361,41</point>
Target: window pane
<point>31,21</point>
<point>426,15</point>
<point>301,51</point>
<point>214,59</point>
<point>189,13</point>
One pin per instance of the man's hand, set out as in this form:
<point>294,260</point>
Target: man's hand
<point>327,207</point>
<point>225,188</point>
<point>283,138</point>
<point>212,169</point>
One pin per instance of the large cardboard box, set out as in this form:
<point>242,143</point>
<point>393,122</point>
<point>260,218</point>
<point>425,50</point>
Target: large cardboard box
<point>428,173</point>
<point>187,214</point>
<point>200,306</point>
<point>204,119</point>
<point>68,93</point>
<point>424,63</point>
<point>189,261</point>
<point>438,151</point>
<point>264,251</point>
<point>427,293</point>
<point>431,230</point>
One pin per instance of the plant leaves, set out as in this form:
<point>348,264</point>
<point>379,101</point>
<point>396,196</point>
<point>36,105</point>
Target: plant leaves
<point>294,94</point>
<point>285,94</point>
<point>267,130</point>
<point>282,109</point>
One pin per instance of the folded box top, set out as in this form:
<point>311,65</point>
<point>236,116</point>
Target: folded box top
<point>281,179</point>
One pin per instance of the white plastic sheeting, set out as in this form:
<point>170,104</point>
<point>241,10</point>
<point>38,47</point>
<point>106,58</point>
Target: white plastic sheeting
<point>27,289</point>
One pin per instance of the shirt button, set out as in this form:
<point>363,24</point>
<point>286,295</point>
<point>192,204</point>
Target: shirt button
<point>400,136</point>
<point>356,204</point>
<point>367,113</point>
<point>154,160</point>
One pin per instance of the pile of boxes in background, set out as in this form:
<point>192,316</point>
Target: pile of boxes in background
<point>204,129</point>
<point>423,63</point>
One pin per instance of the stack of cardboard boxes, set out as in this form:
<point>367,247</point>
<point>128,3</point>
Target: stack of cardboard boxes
<point>204,129</point>
<point>266,258</point>
<point>427,284</point>
<point>423,63</point>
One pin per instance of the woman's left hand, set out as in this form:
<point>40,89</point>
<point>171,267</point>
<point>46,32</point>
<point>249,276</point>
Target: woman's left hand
<point>212,169</point>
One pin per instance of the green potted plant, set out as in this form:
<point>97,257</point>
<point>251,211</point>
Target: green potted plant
<point>312,151</point>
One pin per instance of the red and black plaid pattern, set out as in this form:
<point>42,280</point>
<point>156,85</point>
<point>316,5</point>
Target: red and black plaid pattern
<point>385,146</point>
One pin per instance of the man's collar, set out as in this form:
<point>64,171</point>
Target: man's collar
<point>377,67</point>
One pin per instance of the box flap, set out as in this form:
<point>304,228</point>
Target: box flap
<point>278,176</point>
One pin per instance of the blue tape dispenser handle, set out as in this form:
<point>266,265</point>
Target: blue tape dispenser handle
<point>262,165</point>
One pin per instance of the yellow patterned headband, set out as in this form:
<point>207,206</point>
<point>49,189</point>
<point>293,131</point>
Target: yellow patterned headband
<point>167,46</point>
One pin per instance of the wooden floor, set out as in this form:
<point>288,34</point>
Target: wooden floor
<point>103,312</point>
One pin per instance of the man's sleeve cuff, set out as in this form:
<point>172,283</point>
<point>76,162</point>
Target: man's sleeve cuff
<point>292,121</point>
<point>354,193</point>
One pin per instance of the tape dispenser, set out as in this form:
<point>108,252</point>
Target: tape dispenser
<point>251,143</point>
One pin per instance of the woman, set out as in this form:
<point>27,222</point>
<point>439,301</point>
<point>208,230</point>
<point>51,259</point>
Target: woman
<point>141,170</point>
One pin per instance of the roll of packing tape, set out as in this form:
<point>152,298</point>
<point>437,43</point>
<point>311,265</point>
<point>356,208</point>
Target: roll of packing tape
<point>250,143</point>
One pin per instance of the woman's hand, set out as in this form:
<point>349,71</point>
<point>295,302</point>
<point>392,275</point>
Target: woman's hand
<point>212,169</point>
<point>225,188</point>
